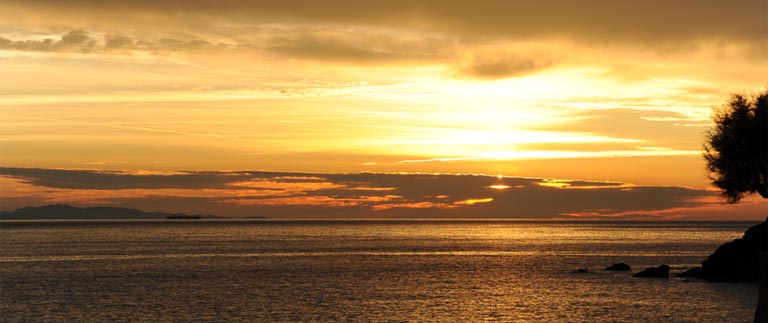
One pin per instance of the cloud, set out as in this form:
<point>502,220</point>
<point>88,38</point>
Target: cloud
<point>657,127</point>
<point>360,195</point>
<point>388,31</point>
<point>503,66</point>
<point>297,43</point>
<point>113,180</point>
<point>118,42</point>
<point>86,42</point>
<point>73,41</point>
<point>353,46</point>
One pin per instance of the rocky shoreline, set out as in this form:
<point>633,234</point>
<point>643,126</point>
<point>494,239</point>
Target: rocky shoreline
<point>735,261</point>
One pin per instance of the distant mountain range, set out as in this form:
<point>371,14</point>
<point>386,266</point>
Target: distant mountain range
<point>59,211</point>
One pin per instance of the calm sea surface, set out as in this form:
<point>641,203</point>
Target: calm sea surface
<point>360,271</point>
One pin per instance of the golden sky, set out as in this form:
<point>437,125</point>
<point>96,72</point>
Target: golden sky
<point>598,90</point>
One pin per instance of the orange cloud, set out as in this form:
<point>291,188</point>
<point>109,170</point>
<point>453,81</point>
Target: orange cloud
<point>474,201</point>
<point>413,205</point>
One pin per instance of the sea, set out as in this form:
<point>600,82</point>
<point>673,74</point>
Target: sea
<point>361,271</point>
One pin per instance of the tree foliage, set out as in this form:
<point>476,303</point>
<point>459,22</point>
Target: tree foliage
<point>736,150</point>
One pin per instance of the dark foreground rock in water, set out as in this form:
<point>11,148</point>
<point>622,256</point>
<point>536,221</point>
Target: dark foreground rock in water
<point>619,267</point>
<point>735,261</point>
<point>693,272</point>
<point>654,272</point>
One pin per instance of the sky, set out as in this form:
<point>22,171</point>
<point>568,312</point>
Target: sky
<point>340,108</point>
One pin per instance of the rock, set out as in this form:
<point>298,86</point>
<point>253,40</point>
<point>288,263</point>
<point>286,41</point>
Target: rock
<point>736,261</point>
<point>619,267</point>
<point>582,270</point>
<point>693,272</point>
<point>654,272</point>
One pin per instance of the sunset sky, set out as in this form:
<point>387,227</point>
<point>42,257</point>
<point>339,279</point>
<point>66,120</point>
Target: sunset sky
<point>336,108</point>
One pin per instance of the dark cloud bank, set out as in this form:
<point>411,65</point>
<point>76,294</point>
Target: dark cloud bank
<point>276,194</point>
<point>402,31</point>
<point>647,21</point>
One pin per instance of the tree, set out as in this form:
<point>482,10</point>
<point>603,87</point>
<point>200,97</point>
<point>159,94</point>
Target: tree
<point>737,148</point>
<point>736,153</point>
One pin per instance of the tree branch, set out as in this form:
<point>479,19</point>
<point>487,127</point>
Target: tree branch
<point>763,192</point>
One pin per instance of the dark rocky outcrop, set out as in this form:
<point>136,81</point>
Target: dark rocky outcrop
<point>654,272</point>
<point>735,261</point>
<point>619,267</point>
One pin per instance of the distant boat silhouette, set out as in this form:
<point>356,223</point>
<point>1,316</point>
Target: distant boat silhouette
<point>182,216</point>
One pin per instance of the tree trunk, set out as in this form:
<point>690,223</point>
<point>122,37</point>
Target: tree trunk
<point>761,313</point>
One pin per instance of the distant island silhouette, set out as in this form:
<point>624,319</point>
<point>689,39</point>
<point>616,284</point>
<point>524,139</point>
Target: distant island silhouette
<point>62,211</point>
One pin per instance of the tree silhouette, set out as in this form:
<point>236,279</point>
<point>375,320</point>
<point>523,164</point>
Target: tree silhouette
<point>736,153</point>
<point>737,147</point>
